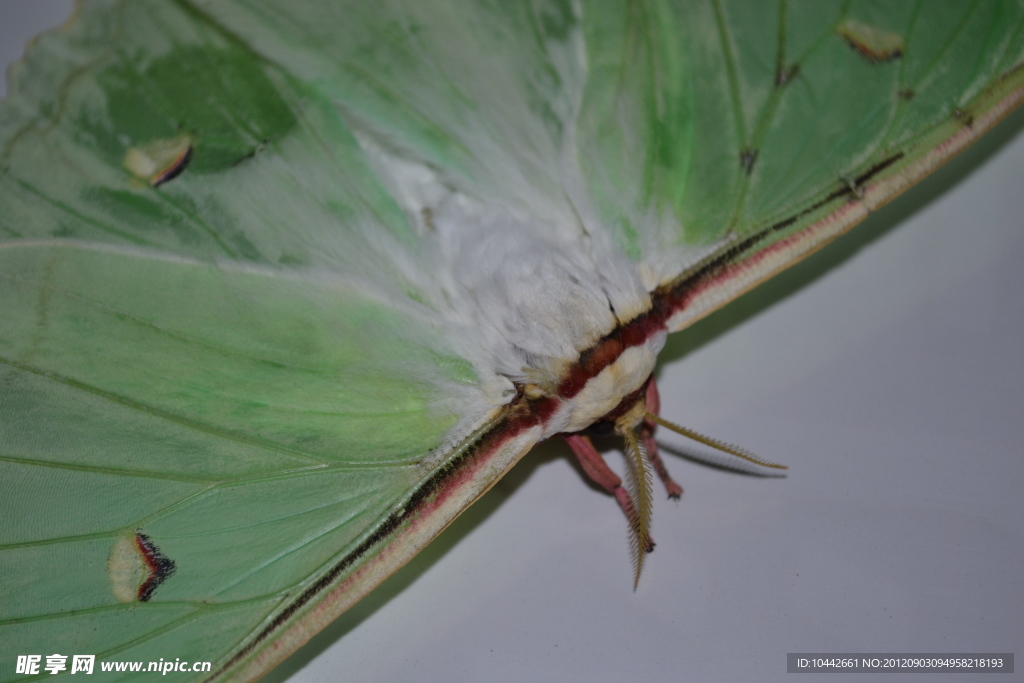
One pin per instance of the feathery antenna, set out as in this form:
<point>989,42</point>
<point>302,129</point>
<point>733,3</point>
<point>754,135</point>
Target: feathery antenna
<point>640,488</point>
<point>714,443</point>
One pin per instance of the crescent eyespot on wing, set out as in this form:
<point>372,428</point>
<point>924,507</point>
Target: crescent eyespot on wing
<point>286,288</point>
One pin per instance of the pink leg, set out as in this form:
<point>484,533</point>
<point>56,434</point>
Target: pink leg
<point>599,472</point>
<point>653,402</point>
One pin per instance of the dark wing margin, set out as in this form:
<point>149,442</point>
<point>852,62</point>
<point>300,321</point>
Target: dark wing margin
<point>747,261</point>
<point>468,472</point>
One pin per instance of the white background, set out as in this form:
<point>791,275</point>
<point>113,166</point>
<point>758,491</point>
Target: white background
<point>886,371</point>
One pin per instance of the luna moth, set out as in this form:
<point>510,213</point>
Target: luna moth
<point>377,154</point>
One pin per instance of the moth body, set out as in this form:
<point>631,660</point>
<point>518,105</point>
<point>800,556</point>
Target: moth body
<point>535,297</point>
<point>605,391</point>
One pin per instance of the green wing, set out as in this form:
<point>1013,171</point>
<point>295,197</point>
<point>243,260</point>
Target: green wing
<point>236,370</point>
<point>229,367</point>
<point>685,131</point>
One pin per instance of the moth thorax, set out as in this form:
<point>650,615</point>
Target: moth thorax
<point>606,391</point>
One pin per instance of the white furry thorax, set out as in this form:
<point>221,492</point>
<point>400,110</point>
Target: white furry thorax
<point>605,391</point>
<point>525,290</point>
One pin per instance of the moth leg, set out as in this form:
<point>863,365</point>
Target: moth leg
<point>599,472</point>
<point>647,427</point>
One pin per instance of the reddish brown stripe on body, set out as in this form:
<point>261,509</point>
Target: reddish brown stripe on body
<point>606,351</point>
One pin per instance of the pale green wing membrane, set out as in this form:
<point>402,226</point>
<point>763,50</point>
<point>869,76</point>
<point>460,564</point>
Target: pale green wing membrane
<point>770,128</point>
<point>220,339</point>
<point>689,133</point>
<point>223,366</point>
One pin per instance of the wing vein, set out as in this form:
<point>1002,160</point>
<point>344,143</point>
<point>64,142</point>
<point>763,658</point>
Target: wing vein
<point>159,413</point>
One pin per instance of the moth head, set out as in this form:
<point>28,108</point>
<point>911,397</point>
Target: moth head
<point>628,415</point>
